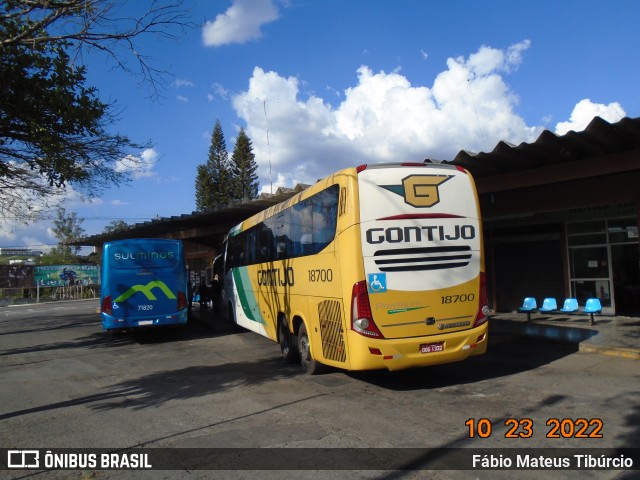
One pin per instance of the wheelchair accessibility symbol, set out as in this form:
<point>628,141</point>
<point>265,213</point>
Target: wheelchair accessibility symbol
<point>377,282</point>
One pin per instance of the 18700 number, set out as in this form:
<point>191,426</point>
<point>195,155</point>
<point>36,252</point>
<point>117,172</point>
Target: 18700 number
<point>464,297</point>
<point>321,275</point>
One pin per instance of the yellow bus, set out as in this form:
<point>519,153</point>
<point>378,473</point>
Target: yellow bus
<point>378,266</point>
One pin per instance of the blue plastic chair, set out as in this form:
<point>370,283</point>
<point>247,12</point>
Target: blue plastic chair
<point>592,307</point>
<point>549,305</point>
<point>529,306</point>
<point>570,306</point>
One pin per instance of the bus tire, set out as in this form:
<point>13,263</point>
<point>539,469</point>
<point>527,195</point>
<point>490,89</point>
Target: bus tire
<point>288,342</point>
<point>309,364</point>
<point>230,317</point>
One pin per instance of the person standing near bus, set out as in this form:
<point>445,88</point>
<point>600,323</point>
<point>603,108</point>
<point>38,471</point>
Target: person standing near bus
<point>203,291</point>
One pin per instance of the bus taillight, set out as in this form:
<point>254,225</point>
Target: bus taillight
<point>182,301</point>
<point>361,317</point>
<point>106,305</point>
<point>483,308</point>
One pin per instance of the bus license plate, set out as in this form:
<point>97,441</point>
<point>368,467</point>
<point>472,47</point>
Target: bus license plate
<point>432,347</point>
<point>145,322</point>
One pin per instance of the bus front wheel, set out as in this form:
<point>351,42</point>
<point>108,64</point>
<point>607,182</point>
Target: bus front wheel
<point>311,366</point>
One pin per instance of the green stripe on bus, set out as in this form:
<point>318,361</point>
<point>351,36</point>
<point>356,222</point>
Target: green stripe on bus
<point>245,293</point>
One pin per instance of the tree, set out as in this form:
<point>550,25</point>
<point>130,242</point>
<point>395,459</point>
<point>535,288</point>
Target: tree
<point>204,189</point>
<point>67,229</point>
<point>54,130</point>
<point>213,180</point>
<point>244,167</point>
<point>80,25</point>
<point>115,226</point>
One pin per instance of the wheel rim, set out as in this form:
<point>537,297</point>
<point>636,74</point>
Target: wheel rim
<point>304,350</point>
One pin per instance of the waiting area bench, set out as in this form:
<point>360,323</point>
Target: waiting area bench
<point>570,306</point>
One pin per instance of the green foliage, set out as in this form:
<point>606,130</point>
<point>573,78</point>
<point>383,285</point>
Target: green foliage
<point>55,132</point>
<point>116,226</point>
<point>221,181</point>
<point>244,167</point>
<point>213,180</point>
<point>67,229</point>
<point>204,189</point>
<point>57,258</point>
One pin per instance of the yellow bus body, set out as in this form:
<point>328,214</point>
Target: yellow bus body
<point>406,238</point>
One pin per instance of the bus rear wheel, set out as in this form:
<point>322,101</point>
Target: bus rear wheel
<point>309,364</point>
<point>288,342</point>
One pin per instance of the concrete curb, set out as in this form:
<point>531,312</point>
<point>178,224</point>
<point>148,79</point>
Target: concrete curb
<point>632,354</point>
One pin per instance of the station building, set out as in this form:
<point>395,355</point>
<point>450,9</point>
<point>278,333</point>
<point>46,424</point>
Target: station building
<point>560,217</point>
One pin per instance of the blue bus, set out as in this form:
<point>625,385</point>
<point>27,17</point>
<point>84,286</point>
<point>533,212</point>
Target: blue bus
<point>144,284</point>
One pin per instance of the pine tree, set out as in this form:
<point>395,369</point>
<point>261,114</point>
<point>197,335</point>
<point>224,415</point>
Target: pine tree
<point>244,167</point>
<point>204,189</point>
<point>213,180</point>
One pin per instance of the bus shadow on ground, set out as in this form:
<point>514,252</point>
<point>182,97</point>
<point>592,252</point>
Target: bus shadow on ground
<point>92,341</point>
<point>100,339</point>
<point>193,330</point>
<point>509,357</point>
<point>158,388</point>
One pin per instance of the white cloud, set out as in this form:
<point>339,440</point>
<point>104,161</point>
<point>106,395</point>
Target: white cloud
<point>38,236</point>
<point>585,110</point>
<point>139,166</point>
<point>220,91</point>
<point>7,231</point>
<point>240,23</point>
<point>382,118</point>
<point>181,82</point>
<point>36,244</point>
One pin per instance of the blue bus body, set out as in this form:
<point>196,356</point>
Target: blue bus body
<point>144,284</point>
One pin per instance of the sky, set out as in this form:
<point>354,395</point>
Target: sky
<point>321,85</point>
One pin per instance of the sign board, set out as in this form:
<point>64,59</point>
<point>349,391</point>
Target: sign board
<point>66,275</point>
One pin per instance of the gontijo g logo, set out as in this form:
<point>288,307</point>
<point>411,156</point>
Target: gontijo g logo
<point>419,190</point>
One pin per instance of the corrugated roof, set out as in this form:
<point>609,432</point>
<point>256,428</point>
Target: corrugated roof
<point>599,138</point>
<point>219,219</point>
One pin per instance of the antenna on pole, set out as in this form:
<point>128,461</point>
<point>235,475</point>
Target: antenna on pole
<point>266,124</point>
<point>473,101</point>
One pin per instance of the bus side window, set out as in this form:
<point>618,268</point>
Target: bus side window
<point>325,212</point>
<point>281,248</point>
<point>265,242</point>
<point>306,244</point>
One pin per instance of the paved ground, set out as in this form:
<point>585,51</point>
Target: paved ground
<point>65,383</point>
